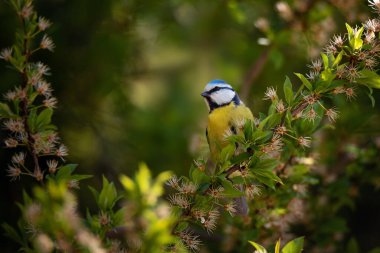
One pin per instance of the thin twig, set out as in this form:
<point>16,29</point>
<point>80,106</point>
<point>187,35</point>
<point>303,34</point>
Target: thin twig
<point>25,103</point>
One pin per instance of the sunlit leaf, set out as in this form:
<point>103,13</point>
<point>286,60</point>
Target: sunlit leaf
<point>294,246</point>
<point>305,82</point>
<point>288,90</point>
<point>128,183</point>
<point>258,247</point>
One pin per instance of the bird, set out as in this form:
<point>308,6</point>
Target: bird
<point>227,115</point>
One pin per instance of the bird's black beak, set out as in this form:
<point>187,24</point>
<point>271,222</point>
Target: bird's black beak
<point>205,94</point>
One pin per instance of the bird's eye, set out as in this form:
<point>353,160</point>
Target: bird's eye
<point>215,89</point>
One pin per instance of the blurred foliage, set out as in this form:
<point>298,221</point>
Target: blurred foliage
<point>128,76</point>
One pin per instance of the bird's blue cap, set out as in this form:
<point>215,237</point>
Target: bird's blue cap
<point>216,81</point>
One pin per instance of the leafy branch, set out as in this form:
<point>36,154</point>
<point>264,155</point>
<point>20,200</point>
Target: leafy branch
<point>269,144</point>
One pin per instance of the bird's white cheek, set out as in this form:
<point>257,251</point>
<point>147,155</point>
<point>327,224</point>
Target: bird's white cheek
<point>222,97</point>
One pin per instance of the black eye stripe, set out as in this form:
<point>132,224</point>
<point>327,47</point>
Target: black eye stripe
<point>217,88</point>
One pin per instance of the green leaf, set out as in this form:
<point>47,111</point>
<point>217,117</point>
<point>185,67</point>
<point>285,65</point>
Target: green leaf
<point>375,250</point>
<point>350,31</point>
<point>369,78</point>
<point>325,60</point>
<point>64,172</point>
<point>277,247</point>
<point>270,121</point>
<point>266,177</point>
<point>143,178</point>
<point>44,119</point>
<point>240,158</point>
<point>267,164</point>
<point>229,189</point>
<point>305,82</point>
<point>357,42</point>
<point>94,192</point>
<point>352,246</point>
<point>372,99</point>
<point>288,90</point>
<point>107,195</point>
<point>327,76</point>
<point>354,37</point>
<point>32,119</point>
<point>338,59</point>
<point>260,136</point>
<point>258,247</point>
<point>12,233</point>
<point>227,153</point>
<point>119,217</point>
<point>5,111</point>
<point>294,246</point>
<point>198,176</point>
<point>182,226</point>
<point>248,129</point>
<point>80,177</point>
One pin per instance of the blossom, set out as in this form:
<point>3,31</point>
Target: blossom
<point>44,88</point>
<point>173,182</point>
<point>371,25</point>
<point>50,102</point>
<point>179,200</point>
<point>62,151</point>
<point>284,10</point>
<point>339,90</point>
<point>280,107</point>
<point>52,166</point>
<point>38,175</point>
<point>350,93</point>
<point>198,214</point>
<point>252,190</point>
<point>270,94</point>
<point>338,41</point>
<point>312,75</point>
<point>331,49</point>
<point>316,65</point>
<point>11,143</point>
<point>6,54</point>
<point>280,130</point>
<point>43,23</point>
<point>15,125</point>
<point>19,158</point>
<point>230,208</point>
<point>42,69</point>
<point>27,10</point>
<point>14,172</point>
<point>10,95</point>
<point>311,99</point>
<point>262,24</point>
<point>188,188</point>
<point>190,240</point>
<point>374,4</point>
<point>210,222</point>
<point>216,192</point>
<point>73,184</point>
<point>304,141</point>
<point>47,43</point>
<point>332,114</point>
<point>370,63</point>
<point>311,115</point>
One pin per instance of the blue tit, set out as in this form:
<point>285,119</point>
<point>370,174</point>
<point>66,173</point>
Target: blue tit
<point>227,115</point>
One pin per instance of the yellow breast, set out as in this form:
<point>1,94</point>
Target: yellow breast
<point>220,121</point>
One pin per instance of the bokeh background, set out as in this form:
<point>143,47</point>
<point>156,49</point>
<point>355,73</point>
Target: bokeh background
<point>128,76</point>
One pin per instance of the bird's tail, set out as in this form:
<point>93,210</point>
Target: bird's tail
<point>241,204</point>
